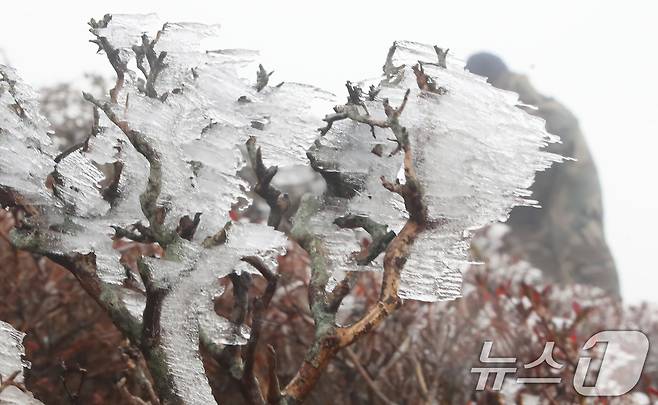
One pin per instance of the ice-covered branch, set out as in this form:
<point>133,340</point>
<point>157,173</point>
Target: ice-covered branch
<point>155,61</point>
<point>275,199</point>
<point>112,53</point>
<point>262,78</point>
<point>329,338</point>
<point>149,198</point>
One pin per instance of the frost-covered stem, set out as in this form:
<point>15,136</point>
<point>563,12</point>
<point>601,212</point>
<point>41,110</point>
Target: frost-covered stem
<point>112,53</point>
<point>155,61</point>
<point>397,251</point>
<point>149,198</point>
<point>329,339</point>
<point>324,346</point>
<point>84,143</point>
<point>262,78</point>
<point>149,341</point>
<point>83,268</point>
<point>378,232</point>
<point>275,199</point>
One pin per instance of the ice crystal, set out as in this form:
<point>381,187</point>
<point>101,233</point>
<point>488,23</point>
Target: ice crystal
<point>474,151</point>
<point>187,310</point>
<point>25,147</point>
<point>11,361</point>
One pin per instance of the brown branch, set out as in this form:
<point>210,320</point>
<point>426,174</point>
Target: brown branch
<point>10,381</point>
<point>274,389</point>
<point>187,226</point>
<point>340,291</point>
<point>233,353</point>
<point>150,337</point>
<point>425,82</point>
<point>84,144</point>
<point>330,119</point>
<point>113,55</point>
<point>378,232</point>
<point>260,306</point>
<point>155,62</point>
<point>329,338</point>
<point>153,309</point>
<point>275,199</point>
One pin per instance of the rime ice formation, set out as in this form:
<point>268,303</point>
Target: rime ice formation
<point>173,127</point>
<point>187,309</point>
<point>475,154</point>
<point>196,116</point>
<point>25,147</point>
<point>11,352</point>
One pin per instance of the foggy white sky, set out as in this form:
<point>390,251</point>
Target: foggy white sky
<point>598,57</point>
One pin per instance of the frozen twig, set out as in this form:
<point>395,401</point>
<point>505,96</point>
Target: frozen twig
<point>149,198</point>
<point>378,232</point>
<point>262,78</point>
<point>330,339</point>
<point>275,199</point>
<point>155,62</point>
<point>113,55</point>
<point>425,82</point>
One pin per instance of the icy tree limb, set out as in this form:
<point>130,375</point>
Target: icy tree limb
<point>149,198</point>
<point>380,236</point>
<point>149,342</point>
<point>112,54</point>
<point>144,335</point>
<point>155,62</point>
<point>84,143</point>
<point>275,199</point>
<point>83,268</point>
<point>425,82</point>
<point>330,339</point>
<point>262,78</point>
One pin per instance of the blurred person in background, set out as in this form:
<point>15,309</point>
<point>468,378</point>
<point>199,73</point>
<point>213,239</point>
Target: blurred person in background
<point>565,238</point>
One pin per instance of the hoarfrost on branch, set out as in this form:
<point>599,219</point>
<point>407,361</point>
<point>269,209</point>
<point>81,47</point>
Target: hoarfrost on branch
<point>414,164</point>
